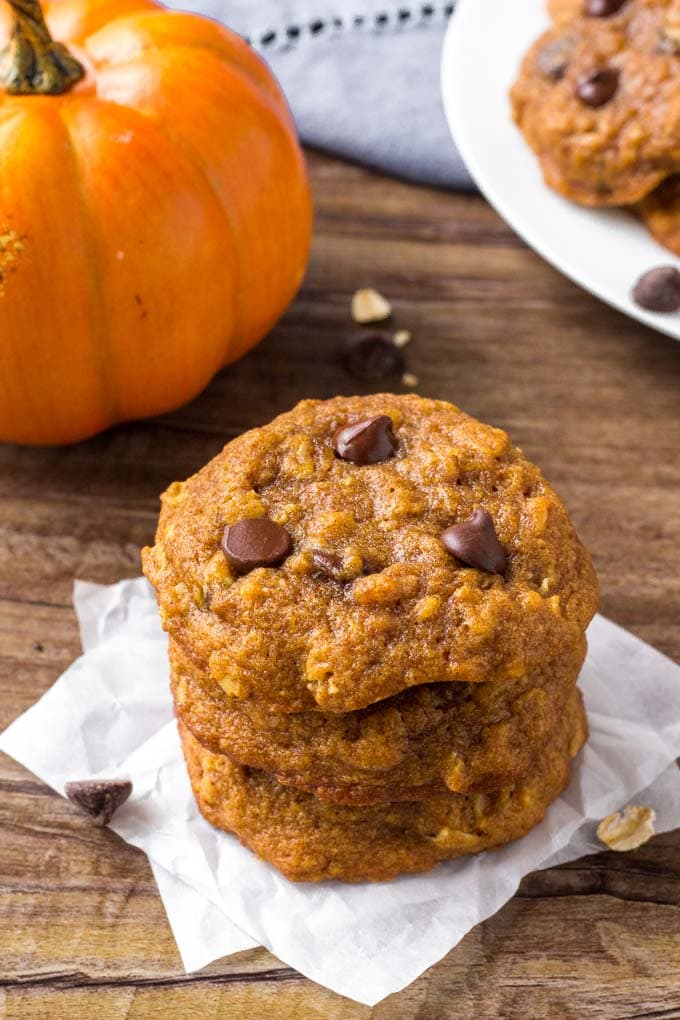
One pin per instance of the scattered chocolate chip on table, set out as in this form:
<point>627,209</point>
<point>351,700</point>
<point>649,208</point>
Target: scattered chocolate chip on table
<point>99,798</point>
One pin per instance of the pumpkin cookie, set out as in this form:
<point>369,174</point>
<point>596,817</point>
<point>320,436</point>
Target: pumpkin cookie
<point>660,212</point>
<point>464,737</point>
<point>566,10</point>
<point>309,839</point>
<point>597,100</point>
<point>359,546</point>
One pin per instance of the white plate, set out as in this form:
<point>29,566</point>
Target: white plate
<point>603,250</point>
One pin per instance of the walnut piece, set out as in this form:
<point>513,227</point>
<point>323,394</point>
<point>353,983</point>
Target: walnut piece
<point>401,338</point>
<point>627,829</point>
<point>370,306</point>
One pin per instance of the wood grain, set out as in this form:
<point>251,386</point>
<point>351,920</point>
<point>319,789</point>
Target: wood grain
<point>590,395</point>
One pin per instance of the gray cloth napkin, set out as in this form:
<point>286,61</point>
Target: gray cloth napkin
<point>361,77</point>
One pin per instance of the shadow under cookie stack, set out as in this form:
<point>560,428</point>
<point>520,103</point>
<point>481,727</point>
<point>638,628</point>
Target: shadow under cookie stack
<point>376,609</point>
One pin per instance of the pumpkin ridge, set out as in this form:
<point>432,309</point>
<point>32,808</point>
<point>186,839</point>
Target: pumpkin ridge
<point>137,22</point>
<point>101,12</point>
<point>192,158</point>
<point>151,353</point>
<point>38,405</point>
<point>101,335</point>
<point>16,369</point>
<point>240,340</point>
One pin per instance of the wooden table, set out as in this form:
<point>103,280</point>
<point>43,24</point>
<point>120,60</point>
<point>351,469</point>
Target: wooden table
<point>590,395</point>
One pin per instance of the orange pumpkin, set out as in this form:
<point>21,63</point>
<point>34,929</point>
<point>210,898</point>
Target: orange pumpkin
<point>155,215</point>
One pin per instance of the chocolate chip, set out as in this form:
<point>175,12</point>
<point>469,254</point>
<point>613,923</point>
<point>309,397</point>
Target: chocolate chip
<point>366,442</point>
<point>327,564</point>
<point>99,798</point>
<point>658,290</point>
<point>553,59</point>
<point>598,87</point>
<point>475,543</point>
<point>255,542</point>
<point>602,8</point>
<point>372,356</point>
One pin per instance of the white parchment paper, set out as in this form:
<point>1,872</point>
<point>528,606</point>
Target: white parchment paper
<point>110,716</point>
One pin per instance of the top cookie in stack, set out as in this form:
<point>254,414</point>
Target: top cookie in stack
<point>373,599</point>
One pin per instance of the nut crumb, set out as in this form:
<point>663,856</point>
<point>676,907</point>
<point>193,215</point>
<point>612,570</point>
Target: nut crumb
<point>370,306</point>
<point>627,829</point>
<point>409,379</point>
<point>401,338</point>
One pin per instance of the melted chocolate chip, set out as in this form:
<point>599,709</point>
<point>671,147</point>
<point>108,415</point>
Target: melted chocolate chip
<point>327,564</point>
<point>598,87</point>
<point>553,59</point>
<point>366,442</point>
<point>372,356</point>
<point>475,543</point>
<point>658,290</point>
<point>255,542</point>
<point>100,799</point>
<point>602,8</point>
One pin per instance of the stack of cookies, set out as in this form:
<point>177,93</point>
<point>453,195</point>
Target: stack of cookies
<point>376,609</point>
<point>598,100</point>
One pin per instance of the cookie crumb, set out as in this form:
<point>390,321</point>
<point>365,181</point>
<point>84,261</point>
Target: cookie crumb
<point>627,829</point>
<point>410,380</point>
<point>369,305</point>
<point>401,338</point>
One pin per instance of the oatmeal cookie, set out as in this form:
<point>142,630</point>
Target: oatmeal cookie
<point>566,10</point>
<point>598,101</point>
<point>356,547</point>
<point>309,839</point>
<point>660,212</point>
<point>464,737</point>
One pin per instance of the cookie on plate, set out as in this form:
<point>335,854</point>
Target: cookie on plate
<point>564,10</point>
<point>464,737</point>
<point>660,212</point>
<point>567,10</point>
<point>357,547</point>
<point>598,101</point>
<point>309,839</point>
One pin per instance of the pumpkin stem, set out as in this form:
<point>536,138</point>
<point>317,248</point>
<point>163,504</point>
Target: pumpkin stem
<point>33,63</point>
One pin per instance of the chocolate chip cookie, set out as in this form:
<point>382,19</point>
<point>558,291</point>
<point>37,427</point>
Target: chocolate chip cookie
<point>566,10</point>
<point>456,736</point>
<point>660,212</point>
<point>309,839</point>
<point>358,547</point>
<point>598,101</point>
